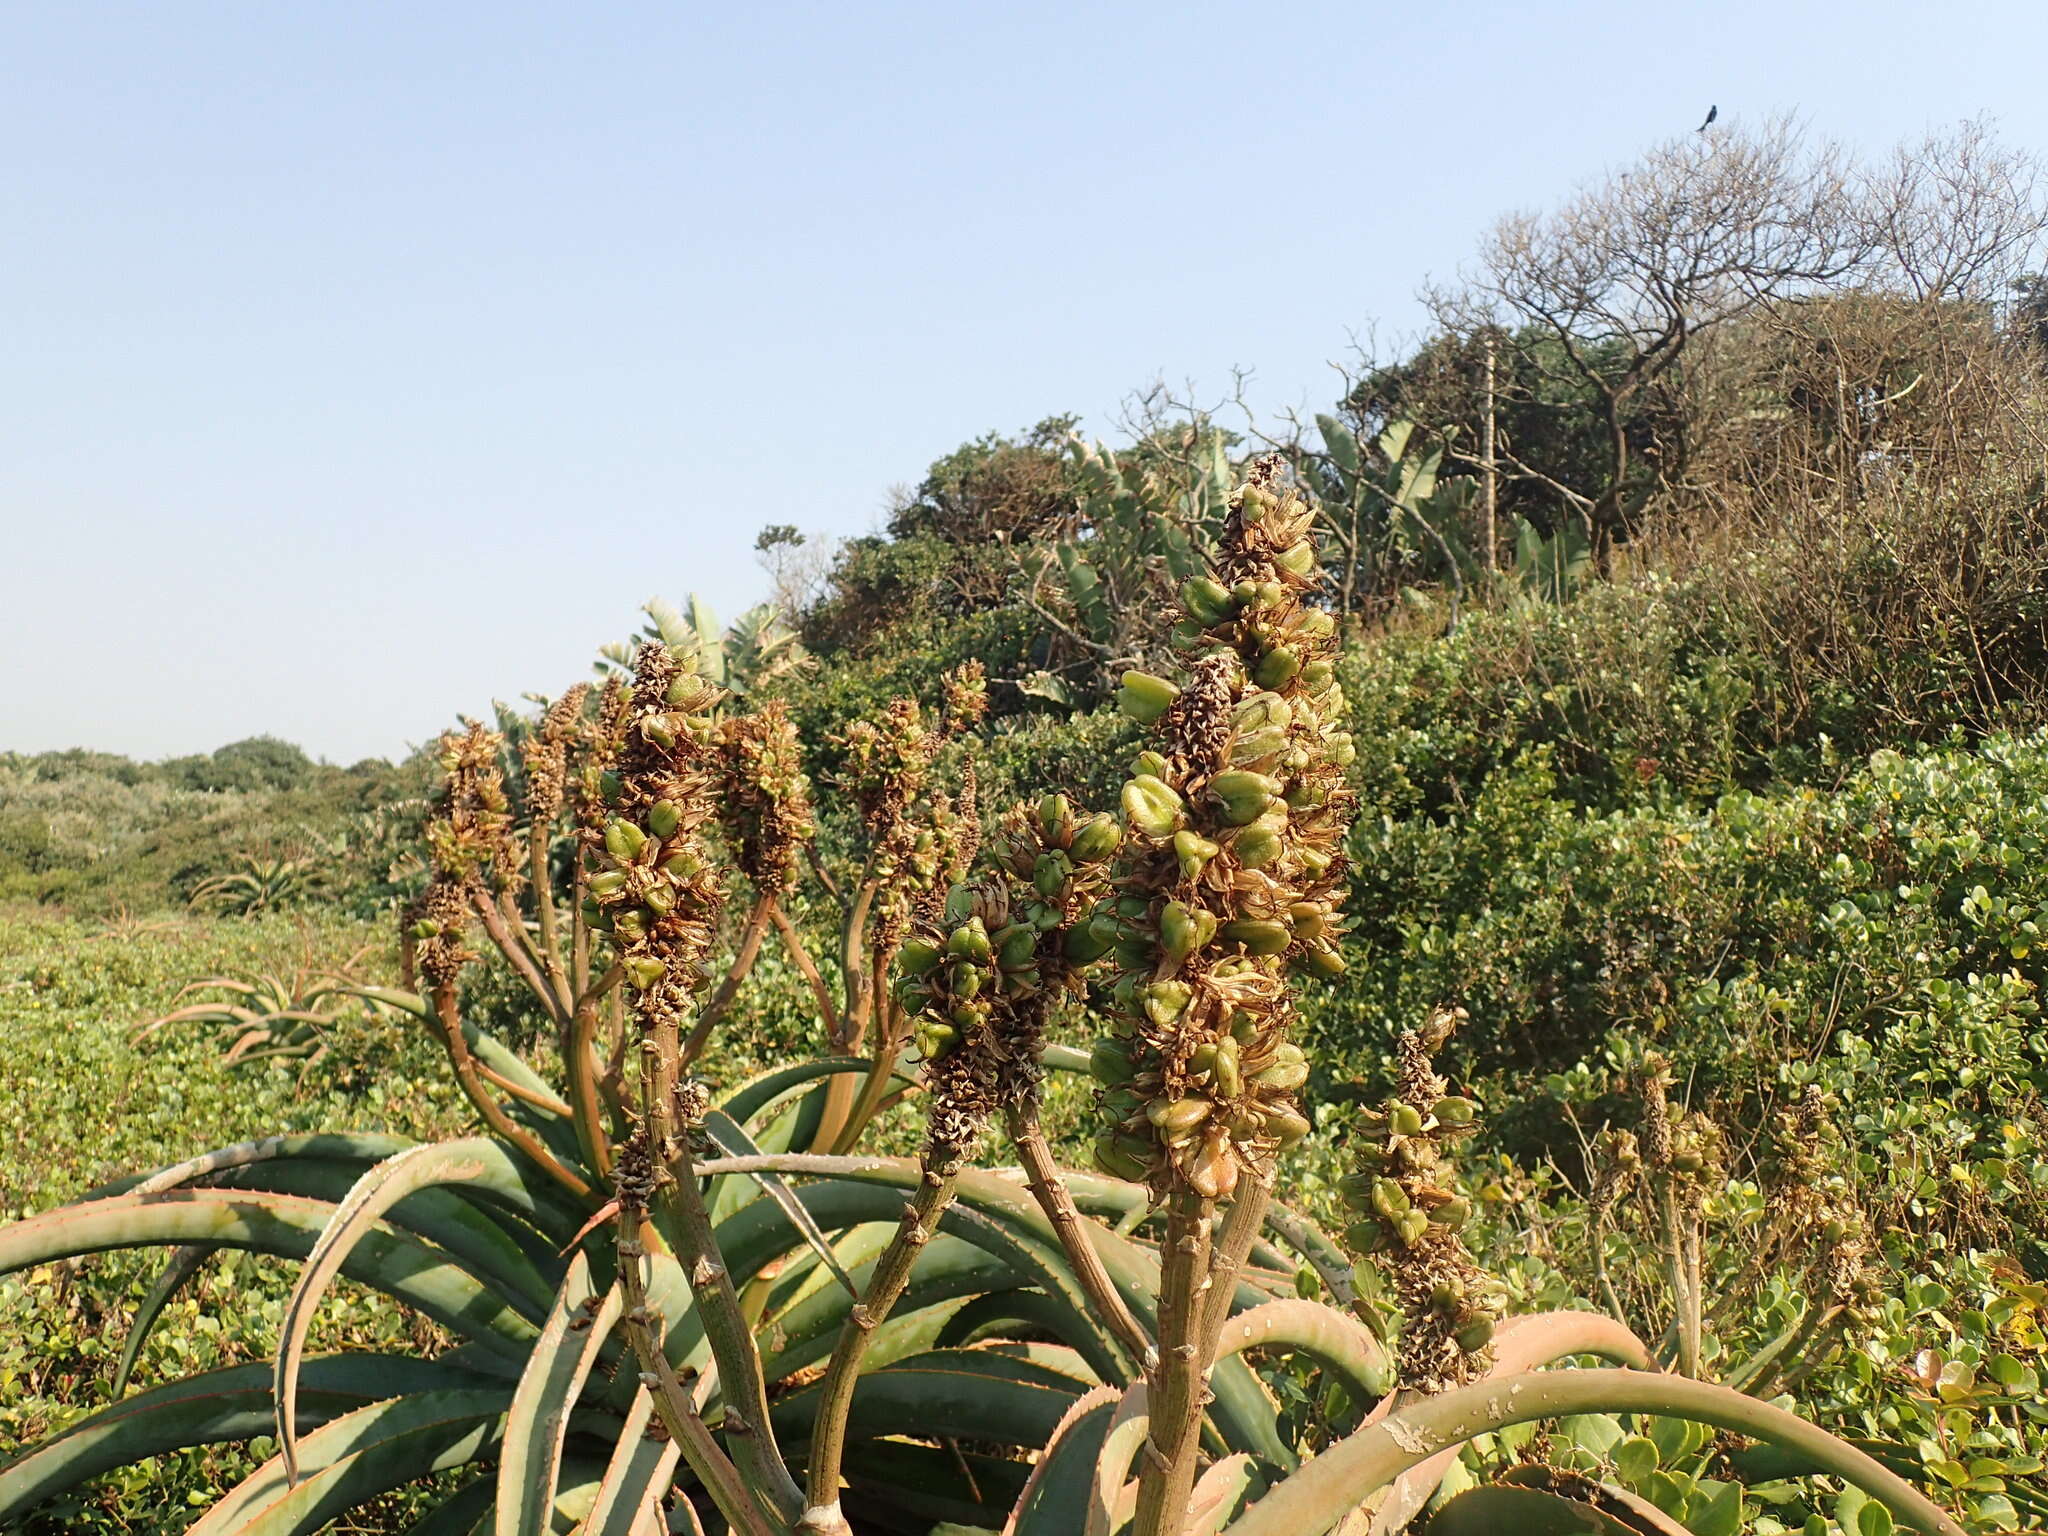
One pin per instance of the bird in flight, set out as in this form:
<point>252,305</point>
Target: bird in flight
<point>1712,113</point>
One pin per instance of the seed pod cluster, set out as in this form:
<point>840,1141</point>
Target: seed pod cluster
<point>544,755</point>
<point>766,800</point>
<point>1410,1219</point>
<point>595,783</point>
<point>1815,1209</point>
<point>649,885</point>
<point>1233,866</point>
<point>472,816</point>
<point>979,975</point>
<point>440,920</point>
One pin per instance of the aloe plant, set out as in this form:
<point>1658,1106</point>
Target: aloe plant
<point>674,1308</point>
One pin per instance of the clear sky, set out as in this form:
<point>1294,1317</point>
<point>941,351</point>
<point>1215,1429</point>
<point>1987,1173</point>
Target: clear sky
<point>364,361</point>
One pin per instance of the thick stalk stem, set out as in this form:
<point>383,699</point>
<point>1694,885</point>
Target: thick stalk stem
<point>747,1429</point>
<point>1674,1265</point>
<point>514,950</point>
<point>874,1087</point>
<point>445,1010</point>
<point>1176,1387</point>
<point>735,977</point>
<point>579,1062</point>
<point>1610,1298</point>
<point>822,1514</point>
<point>1042,1178</point>
<point>672,1403</point>
<point>1241,1227</point>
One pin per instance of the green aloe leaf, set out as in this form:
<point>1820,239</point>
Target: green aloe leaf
<point>530,1465</point>
<point>640,1471</point>
<point>184,1263</point>
<point>419,1168</point>
<point>957,1397</point>
<point>1055,1500</point>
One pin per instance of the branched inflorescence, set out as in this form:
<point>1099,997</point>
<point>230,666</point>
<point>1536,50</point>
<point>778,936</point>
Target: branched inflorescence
<point>1411,1219</point>
<point>1232,872</point>
<point>650,886</point>
<point>545,755</point>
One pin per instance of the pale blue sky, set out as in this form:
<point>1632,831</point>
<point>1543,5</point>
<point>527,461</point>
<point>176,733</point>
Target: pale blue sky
<point>364,361</point>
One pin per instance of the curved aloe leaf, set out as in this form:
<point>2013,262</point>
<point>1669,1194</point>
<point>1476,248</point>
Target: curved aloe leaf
<point>947,1269</point>
<point>357,1456</point>
<point>1528,1512</point>
<point>233,1403</point>
<point>640,1471</point>
<point>1219,1492</point>
<point>895,1486</point>
<point>750,1100</point>
<point>1312,1499</point>
<point>956,1397</point>
<point>283,1225</point>
<point>462,1513</point>
<point>1630,1514</point>
<point>1108,1505</point>
<point>531,1462</point>
<point>184,1263</point>
<point>419,1168</point>
<point>343,1147</point>
<point>1327,1336</point>
<point>1055,1500</point>
<point>1521,1344</point>
<point>730,1139</point>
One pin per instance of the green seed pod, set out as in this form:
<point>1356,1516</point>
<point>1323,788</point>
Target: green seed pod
<point>1153,807</point>
<point>1166,1001</point>
<point>1297,559</point>
<point>1317,675</point>
<point>1326,963</point>
<point>1016,946</point>
<point>1456,1111</point>
<point>1202,1058</point>
<point>1095,840</point>
<point>1261,711</point>
<point>1244,1029</point>
<point>1228,1074</point>
<point>934,1039</point>
<point>1257,846</point>
<point>1180,932</point>
<point>426,928</point>
<point>1144,698</point>
<point>1475,1335</point>
<point>1082,945</point>
<point>1120,1103</point>
<point>1206,601</point>
<point>684,688</point>
<point>1405,1119</point>
<point>610,787</point>
<point>607,883</point>
<point>1410,1225</point>
<point>1257,935</point>
<point>1109,1062</point>
<point>630,926</point>
<point>622,840</point>
<point>1389,1199</point>
<point>1257,746</point>
<point>1148,761</point>
<point>1178,1117</point>
<point>1245,592</point>
<point>1049,874</point>
<point>1286,1127</point>
<point>1243,794</point>
<point>1277,667</point>
<point>969,941</point>
<point>1453,1213</point>
<point>1307,919</point>
<point>963,979</point>
<point>959,905</point>
<point>1283,1075</point>
<point>1355,1190</point>
<point>918,958</point>
<point>1054,817</point>
<point>1114,1160</point>
<point>1271,594</point>
<point>1445,1295</point>
<point>1314,862</point>
<point>912,995</point>
<point>661,730</point>
<point>593,915</point>
<point>644,972</point>
<point>661,899</point>
<point>1317,623</point>
<point>663,817</point>
<point>1194,852</point>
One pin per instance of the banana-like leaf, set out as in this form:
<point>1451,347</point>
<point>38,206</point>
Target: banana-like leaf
<point>1312,1499</point>
<point>184,1263</point>
<point>283,1225</point>
<point>1055,1500</point>
<point>232,1403</point>
<point>451,1162</point>
<point>641,1470</point>
<point>568,1347</point>
<point>357,1456</point>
